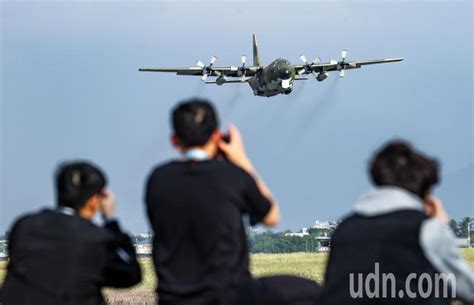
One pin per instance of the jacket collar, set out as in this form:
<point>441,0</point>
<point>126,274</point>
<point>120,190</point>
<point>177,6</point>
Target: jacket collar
<point>386,199</point>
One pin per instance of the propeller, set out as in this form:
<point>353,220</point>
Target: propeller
<point>206,70</point>
<point>342,64</point>
<point>344,55</point>
<point>244,59</point>
<point>241,72</point>
<point>307,66</point>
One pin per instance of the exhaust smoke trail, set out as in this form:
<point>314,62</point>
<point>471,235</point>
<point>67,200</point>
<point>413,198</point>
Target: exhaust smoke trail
<point>230,104</point>
<point>318,107</point>
<point>199,89</point>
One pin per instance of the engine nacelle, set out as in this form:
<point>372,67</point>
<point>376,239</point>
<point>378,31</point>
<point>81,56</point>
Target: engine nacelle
<point>322,76</point>
<point>221,80</point>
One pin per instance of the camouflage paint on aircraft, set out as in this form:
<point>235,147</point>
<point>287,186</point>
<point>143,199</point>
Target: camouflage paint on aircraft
<point>270,80</point>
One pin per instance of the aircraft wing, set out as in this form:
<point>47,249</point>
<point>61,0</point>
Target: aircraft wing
<point>346,65</point>
<point>198,71</point>
<point>178,71</point>
<point>231,81</point>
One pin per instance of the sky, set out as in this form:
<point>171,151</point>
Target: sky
<point>70,88</point>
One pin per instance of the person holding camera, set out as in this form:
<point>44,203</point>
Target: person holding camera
<point>196,207</point>
<point>59,257</point>
<point>396,247</point>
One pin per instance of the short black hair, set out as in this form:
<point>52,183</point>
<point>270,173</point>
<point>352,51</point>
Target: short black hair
<point>397,163</point>
<point>194,120</point>
<point>76,182</point>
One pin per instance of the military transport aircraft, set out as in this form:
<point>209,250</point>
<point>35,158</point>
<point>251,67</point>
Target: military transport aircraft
<point>275,78</point>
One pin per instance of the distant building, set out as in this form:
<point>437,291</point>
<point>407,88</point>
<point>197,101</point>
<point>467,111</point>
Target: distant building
<point>462,242</point>
<point>145,235</point>
<point>303,233</point>
<point>324,225</point>
<point>3,250</point>
<point>324,243</point>
<point>143,248</point>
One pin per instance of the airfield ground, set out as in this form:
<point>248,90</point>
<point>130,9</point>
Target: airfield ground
<point>309,265</point>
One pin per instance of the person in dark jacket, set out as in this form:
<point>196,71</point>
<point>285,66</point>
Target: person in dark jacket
<point>396,246</point>
<point>196,207</point>
<point>59,257</point>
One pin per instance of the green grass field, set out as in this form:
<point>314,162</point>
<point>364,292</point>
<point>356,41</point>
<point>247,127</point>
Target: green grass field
<point>308,265</point>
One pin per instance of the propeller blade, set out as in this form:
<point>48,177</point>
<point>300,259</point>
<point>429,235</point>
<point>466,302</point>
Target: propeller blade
<point>213,60</point>
<point>342,73</point>
<point>304,59</point>
<point>333,62</point>
<point>200,64</point>
<point>344,54</point>
<point>243,59</point>
<point>204,77</point>
<point>301,71</point>
<point>317,61</point>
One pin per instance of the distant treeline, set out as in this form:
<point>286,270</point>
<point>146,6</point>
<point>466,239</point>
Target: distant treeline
<point>281,242</point>
<point>278,242</point>
<point>460,228</point>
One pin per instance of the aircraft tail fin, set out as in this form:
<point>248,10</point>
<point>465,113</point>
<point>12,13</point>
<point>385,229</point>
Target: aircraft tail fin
<point>256,58</point>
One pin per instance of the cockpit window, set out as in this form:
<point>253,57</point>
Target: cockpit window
<point>281,69</point>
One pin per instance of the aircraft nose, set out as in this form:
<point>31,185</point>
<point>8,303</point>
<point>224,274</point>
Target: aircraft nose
<point>286,84</point>
<point>285,74</point>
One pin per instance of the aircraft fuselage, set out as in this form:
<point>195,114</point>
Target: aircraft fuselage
<point>275,78</point>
